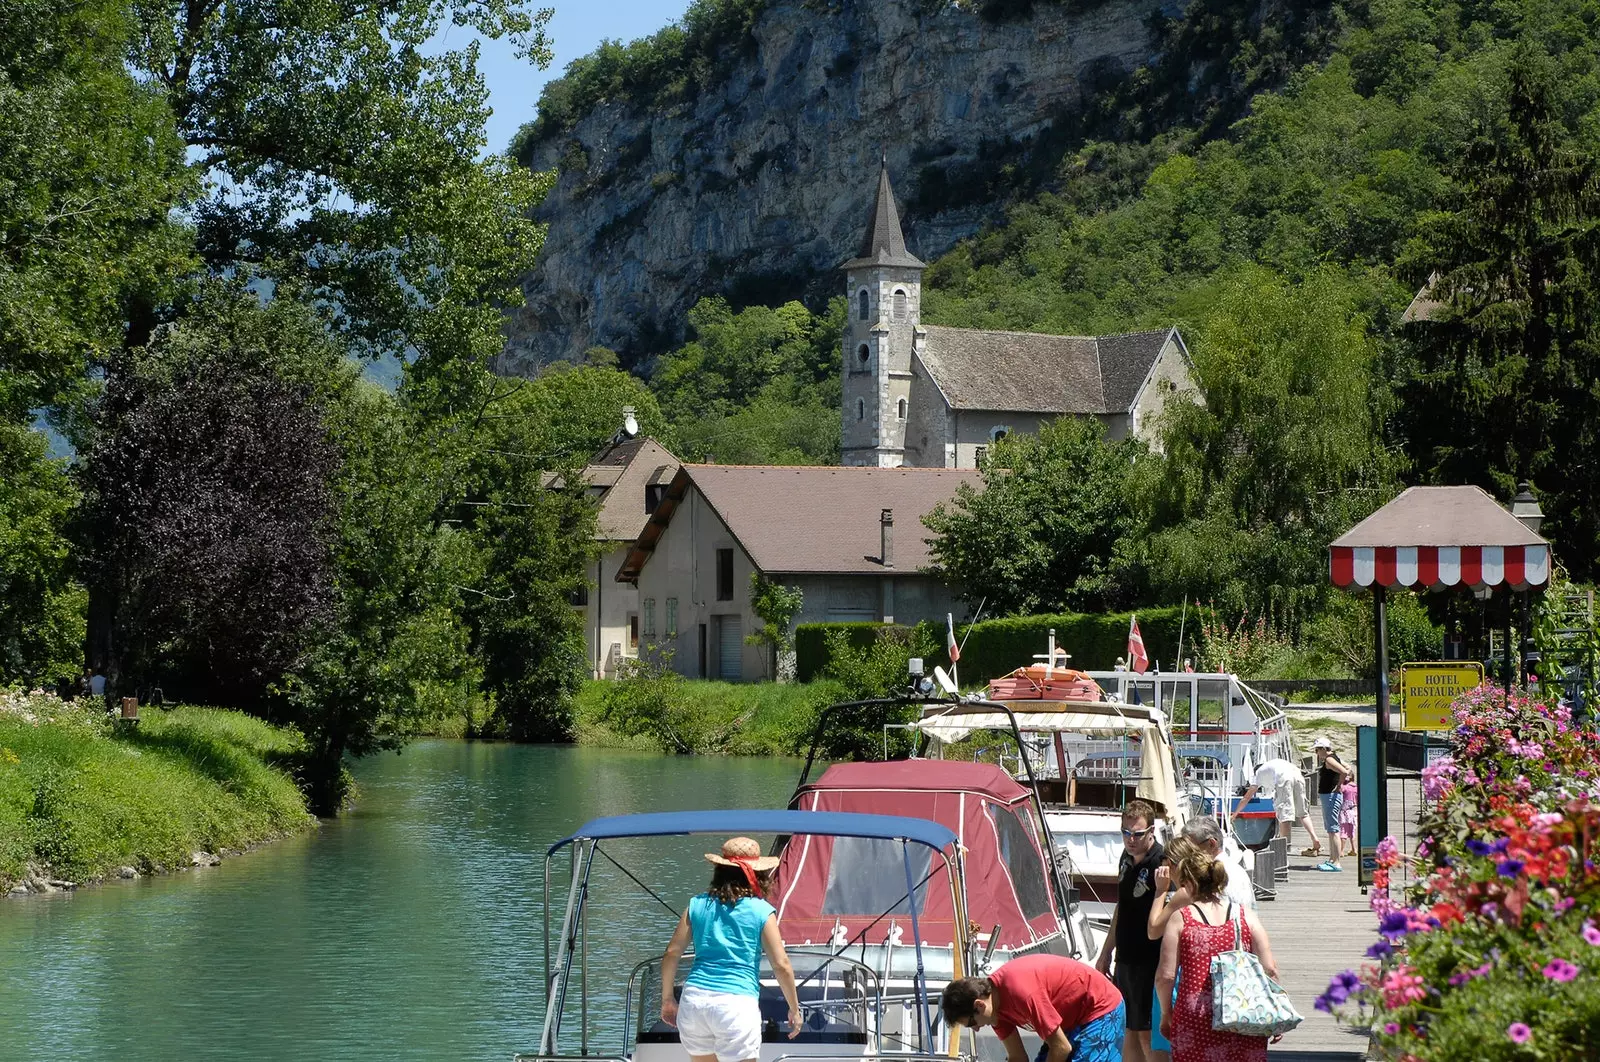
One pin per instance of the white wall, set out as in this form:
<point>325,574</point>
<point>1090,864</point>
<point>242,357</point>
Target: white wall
<point>605,617</point>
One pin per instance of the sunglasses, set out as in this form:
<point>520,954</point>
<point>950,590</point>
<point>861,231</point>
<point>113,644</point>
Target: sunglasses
<point>1138,833</point>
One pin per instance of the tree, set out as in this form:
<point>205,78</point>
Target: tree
<point>41,608</point>
<point>1042,533</point>
<point>208,500</point>
<point>1285,454</point>
<point>1504,386</point>
<point>776,606</point>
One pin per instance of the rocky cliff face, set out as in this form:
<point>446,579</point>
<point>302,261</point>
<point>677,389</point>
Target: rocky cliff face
<point>760,186</point>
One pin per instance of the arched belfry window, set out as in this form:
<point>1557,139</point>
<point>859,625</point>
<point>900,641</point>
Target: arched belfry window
<point>899,304</point>
<point>862,300</point>
<point>864,353</point>
<point>861,409</point>
<point>900,409</point>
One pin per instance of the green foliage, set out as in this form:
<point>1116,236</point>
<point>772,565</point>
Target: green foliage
<point>757,386</point>
<point>1342,633</point>
<point>571,413</point>
<point>1283,456</point>
<point>1043,531</point>
<point>776,606</point>
<point>83,800</point>
<point>671,66</point>
<point>878,669</point>
<point>811,642</point>
<point>770,718</point>
<point>41,611</point>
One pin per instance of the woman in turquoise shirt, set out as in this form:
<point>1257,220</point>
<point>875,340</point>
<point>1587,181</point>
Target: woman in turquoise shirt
<point>719,1016</point>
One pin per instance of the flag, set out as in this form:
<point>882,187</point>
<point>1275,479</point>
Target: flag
<point>950,638</point>
<point>1138,662</point>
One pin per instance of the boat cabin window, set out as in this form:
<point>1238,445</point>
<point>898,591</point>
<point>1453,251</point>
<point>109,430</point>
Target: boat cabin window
<point>1022,862</point>
<point>1212,705</point>
<point>867,876</point>
<point>1140,691</point>
<point>1177,700</point>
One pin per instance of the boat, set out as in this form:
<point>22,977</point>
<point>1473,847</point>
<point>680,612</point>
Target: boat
<point>849,1011</point>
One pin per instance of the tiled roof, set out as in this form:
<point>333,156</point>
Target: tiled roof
<point>885,242</point>
<point>1029,372</point>
<point>621,471</point>
<point>812,519</point>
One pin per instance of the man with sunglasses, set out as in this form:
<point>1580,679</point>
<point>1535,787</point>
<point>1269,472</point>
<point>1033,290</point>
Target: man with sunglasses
<point>1136,954</point>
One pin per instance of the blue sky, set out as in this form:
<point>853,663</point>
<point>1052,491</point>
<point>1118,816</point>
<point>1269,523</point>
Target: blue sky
<point>577,29</point>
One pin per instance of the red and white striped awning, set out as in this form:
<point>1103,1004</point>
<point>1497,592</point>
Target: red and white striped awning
<point>1433,538</point>
<point>1437,567</point>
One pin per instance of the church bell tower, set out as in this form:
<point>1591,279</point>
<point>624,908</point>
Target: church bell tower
<point>884,285</point>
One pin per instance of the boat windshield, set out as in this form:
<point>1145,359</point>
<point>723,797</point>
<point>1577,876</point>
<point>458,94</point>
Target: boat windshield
<point>1021,857</point>
<point>868,876</point>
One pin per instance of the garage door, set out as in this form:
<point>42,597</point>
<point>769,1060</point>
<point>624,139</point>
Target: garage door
<point>730,648</point>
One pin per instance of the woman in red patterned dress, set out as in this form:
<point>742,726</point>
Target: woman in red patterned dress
<point>1205,928</point>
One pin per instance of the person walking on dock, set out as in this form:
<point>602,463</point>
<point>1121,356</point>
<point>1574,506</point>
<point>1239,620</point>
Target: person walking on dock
<point>719,1017</point>
<point>1075,1009</point>
<point>1288,788</point>
<point>1127,940</point>
<point>1332,774</point>
<point>1203,929</point>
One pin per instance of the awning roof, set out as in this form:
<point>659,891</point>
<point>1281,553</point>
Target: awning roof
<point>833,824</point>
<point>1435,537</point>
<point>924,776</point>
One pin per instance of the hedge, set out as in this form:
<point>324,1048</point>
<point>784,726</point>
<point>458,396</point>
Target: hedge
<point>810,648</point>
<point>995,647</point>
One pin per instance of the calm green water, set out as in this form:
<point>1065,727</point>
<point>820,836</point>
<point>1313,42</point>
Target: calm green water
<point>411,928</point>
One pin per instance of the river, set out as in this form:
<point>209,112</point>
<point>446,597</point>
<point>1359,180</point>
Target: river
<point>409,928</point>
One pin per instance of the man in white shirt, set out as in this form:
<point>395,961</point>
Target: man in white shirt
<point>1205,833</point>
<point>1288,788</point>
<point>97,684</point>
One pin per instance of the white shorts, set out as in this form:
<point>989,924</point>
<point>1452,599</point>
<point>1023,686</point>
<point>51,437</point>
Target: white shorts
<point>719,1023</point>
<point>1289,800</point>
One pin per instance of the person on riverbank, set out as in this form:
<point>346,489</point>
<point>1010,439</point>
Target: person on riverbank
<point>1127,941</point>
<point>1074,1009</point>
<point>1332,774</point>
<point>719,1015</point>
<point>1288,788</point>
<point>1204,928</point>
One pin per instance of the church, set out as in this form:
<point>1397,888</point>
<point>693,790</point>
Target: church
<point>927,396</point>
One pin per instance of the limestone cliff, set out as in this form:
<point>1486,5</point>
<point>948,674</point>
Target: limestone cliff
<point>758,186</point>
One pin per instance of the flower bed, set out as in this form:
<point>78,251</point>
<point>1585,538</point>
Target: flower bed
<point>1493,954</point>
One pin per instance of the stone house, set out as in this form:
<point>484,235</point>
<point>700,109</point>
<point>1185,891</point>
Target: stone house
<point>934,397</point>
<point>627,480</point>
<point>851,539</point>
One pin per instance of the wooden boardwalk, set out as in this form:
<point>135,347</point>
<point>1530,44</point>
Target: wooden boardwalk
<point>1320,924</point>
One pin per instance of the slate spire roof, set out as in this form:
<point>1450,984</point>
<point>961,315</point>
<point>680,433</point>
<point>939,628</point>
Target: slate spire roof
<point>884,243</point>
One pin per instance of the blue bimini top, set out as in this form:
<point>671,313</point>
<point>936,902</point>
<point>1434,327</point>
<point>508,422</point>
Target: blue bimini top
<point>727,944</point>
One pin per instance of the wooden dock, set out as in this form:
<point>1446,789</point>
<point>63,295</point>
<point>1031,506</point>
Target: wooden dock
<point>1320,924</point>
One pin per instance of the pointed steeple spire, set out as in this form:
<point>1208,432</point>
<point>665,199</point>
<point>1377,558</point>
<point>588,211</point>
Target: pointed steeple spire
<point>884,243</point>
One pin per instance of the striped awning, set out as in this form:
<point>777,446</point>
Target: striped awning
<point>1439,567</point>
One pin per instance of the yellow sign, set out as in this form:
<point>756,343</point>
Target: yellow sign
<point>1426,691</point>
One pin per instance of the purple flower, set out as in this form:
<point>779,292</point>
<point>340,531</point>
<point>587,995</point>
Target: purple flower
<point>1560,970</point>
<point>1518,1032</point>
<point>1591,934</point>
<point>1510,868</point>
<point>1391,1028</point>
<point>1383,949</point>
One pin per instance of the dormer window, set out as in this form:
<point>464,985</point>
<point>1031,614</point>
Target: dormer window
<point>653,493</point>
<point>862,300</point>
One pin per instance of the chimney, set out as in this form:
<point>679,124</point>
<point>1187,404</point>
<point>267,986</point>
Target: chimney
<point>886,537</point>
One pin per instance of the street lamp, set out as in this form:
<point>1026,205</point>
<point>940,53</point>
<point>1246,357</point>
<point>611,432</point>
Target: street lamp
<point>1525,507</point>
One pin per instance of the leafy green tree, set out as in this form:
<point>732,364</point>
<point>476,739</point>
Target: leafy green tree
<point>1285,454</point>
<point>878,670</point>
<point>1505,384</point>
<point>574,412</point>
<point>41,617</point>
<point>1042,534</point>
<point>776,606</point>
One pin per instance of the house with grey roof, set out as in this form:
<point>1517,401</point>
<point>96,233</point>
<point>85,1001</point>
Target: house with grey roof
<point>851,539</point>
<point>627,480</point>
<point>936,397</point>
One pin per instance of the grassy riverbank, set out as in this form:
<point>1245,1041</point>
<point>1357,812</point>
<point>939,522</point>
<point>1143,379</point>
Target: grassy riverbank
<point>79,800</point>
<point>740,719</point>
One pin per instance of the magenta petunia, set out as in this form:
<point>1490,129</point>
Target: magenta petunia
<point>1518,1032</point>
<point>1591,934</point>
<point>1560,970</point>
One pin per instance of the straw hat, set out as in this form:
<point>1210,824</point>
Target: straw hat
<point>742,852</point>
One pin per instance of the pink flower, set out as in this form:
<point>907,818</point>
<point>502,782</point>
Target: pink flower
<point>1391,1028</point>
<point>1518,1033</point>
<point>1591,934</point>
<point>1560,970</point>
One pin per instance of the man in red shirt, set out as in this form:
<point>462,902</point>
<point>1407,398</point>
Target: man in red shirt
<point>1075,1009</point>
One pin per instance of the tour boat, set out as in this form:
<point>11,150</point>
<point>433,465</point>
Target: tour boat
<point>849,1009</point>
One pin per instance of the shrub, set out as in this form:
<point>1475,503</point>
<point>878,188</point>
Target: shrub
<point>1095,640</point>
<point>811,644</point>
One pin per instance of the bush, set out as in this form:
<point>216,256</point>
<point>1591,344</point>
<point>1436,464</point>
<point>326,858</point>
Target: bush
<point>996,647</point>
<point>772,719</point>
<point>811,644</point>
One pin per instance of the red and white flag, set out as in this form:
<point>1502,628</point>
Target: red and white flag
<point>1138,661</point>
<point>950,637</point>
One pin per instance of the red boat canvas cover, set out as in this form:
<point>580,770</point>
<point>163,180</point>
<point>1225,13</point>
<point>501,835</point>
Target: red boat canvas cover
<point>824,881</point>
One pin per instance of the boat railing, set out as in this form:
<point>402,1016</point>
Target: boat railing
<point>831,986</point>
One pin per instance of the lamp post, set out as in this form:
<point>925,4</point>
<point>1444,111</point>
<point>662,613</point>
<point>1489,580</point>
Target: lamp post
<point>1525,507</point>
